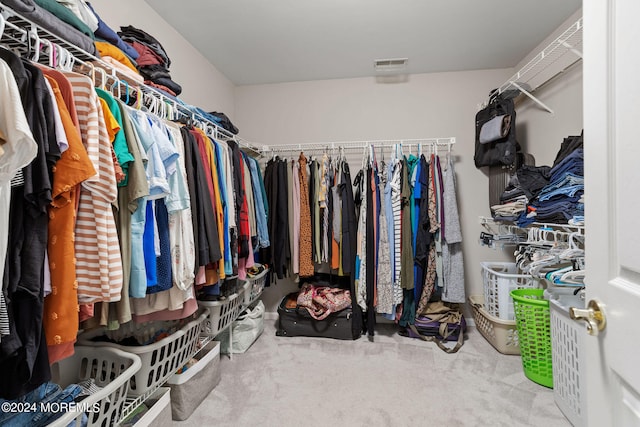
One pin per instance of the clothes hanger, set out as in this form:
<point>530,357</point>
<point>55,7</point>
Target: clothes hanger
<point>110,84</point>
<point>126,90</point>
<point>103,78</point>
<point>3,23</point>
<point>33,46</point>
<point>139,97</point>
<point>46,46</point>
<point>92,73</point>
<point>63,58</point>
<point>71,60</point>
<point>54,54</point>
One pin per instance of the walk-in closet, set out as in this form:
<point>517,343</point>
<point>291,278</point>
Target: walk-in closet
<point>360,213</point>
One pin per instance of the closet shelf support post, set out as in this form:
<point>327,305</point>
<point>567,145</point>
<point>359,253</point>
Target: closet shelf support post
<point>533,98</point>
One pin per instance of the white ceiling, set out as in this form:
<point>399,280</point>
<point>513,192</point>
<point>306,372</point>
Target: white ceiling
<point>271,41</point>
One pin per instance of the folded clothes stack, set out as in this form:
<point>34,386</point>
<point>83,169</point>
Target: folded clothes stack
<point>59,20</point>
<point>523,186</point>
<point>104,32</point>
<point>113,50</point>
<point>562,199</point>
<point>153,61</point>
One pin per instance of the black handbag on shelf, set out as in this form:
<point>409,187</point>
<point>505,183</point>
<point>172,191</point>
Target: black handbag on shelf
<point>495,143</point>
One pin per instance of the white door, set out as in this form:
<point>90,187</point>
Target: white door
<point>612,188</point>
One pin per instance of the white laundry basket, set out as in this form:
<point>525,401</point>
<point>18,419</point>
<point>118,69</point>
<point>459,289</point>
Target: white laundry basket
<point>111,369</point>
<point>160,359</point>
<point>222,313</point>
<point>500,278</point>
<point>567,349</point>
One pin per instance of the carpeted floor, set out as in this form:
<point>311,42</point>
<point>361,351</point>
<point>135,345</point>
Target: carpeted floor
<point>393,381</point>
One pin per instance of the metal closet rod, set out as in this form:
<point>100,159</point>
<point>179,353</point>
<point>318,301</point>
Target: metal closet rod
<point>10,20</point>
<point>352,145</point>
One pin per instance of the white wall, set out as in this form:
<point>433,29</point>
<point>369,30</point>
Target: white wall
<point>540,132</point>
<point>203,85</point>
<point>427,105</point>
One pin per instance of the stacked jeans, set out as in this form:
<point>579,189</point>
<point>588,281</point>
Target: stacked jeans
<point>561,200</point>
<point>38,400</point>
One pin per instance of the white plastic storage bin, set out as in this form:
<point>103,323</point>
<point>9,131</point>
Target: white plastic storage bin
<point>160,359</point>
<point>567,350</point>
<point>222,313</point>
<point>156,411</point>
<point>111,370</point>
<point>499,279</point>
<point>191,387</point>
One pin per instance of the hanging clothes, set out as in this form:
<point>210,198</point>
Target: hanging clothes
<point>406,255</point>
<point>228,210</point>
<point>260,212</point>
<point>306,261</point>
<point>207,151</point>
<point>423,236</point>
<point>294,216</point>
<point>336,237</point>
<point>453,277</point>
<point>349,243</point>
<point>371,246</point>
<point>96,234</point>
<point>179,208</point>
<point>434,226</point>
<point>242,216</point>
<point>385,270</point>
<point>361,255</point>
<point>396,205</point>
<point>19,150</point>
<point>61,306</point>
<point>279,254</point>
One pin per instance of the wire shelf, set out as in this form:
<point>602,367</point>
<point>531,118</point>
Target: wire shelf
<point>21,35</point>
<point>561,54</point>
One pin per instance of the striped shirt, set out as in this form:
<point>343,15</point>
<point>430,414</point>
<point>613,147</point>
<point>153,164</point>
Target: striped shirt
<point>396,206</point>
<point>98,258</point>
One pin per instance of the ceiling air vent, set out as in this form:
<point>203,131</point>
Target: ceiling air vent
<point>386,65</point>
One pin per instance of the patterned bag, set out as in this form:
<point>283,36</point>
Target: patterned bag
<point>322,301</point>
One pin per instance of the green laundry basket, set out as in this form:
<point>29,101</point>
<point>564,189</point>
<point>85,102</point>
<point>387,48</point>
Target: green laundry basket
<point>534,334</point>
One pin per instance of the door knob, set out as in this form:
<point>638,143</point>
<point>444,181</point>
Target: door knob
<point>593,315</point>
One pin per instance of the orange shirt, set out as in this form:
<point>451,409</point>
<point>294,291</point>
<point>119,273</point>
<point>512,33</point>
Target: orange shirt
<point>61,306</point>
<point>107,49</point>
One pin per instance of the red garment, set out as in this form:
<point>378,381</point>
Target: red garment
<point>243,228</point>
<point>147,55</point>
<point>161,87</point>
